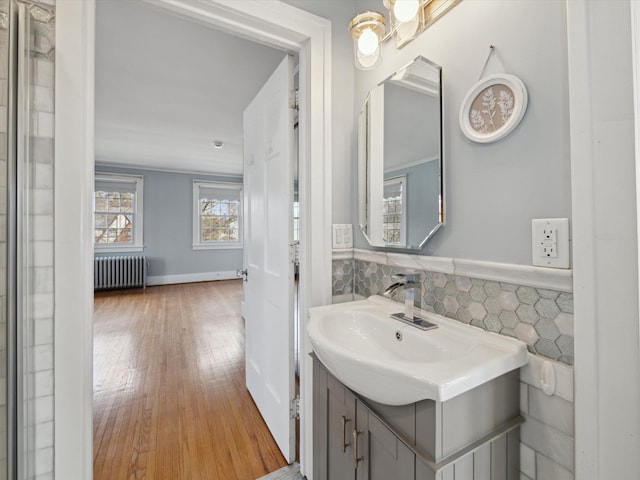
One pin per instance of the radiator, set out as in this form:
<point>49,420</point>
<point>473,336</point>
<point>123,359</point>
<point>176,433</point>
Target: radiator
<point>120,272</point>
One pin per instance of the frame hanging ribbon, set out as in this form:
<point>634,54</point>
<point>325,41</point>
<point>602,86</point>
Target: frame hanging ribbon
<point>492,50</point>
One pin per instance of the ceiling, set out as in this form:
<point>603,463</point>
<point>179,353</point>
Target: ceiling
<point>167,87</point>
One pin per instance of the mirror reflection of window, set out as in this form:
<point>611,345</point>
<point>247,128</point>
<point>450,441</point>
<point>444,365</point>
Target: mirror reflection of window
<point>394,225</point>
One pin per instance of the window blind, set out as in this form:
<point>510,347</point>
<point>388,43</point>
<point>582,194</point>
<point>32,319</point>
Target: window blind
<point>103,185</point>
<point>219,193</point>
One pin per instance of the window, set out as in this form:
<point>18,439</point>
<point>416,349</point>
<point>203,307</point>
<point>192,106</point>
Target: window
<point>217,215</point>
<point>394,211</point>
<point>117,207</point>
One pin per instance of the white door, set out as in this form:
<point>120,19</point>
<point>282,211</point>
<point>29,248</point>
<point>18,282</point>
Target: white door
<point>268,290</point>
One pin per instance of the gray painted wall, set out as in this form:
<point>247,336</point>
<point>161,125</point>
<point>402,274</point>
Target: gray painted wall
<point>168,217</point>
<point>411,126</point>
<point>343,151</point>
<point>493,191</point>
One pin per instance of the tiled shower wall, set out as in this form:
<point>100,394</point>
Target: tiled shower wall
<point>3,248</point>
<point>542,318</point>
<point>40,243</point>
<point>36,192</point>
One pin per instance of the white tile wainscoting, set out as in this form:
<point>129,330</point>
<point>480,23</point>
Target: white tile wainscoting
<point>547,436</point>
<point>534,304</point>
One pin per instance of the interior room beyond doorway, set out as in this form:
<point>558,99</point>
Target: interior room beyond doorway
<point>169,386</point>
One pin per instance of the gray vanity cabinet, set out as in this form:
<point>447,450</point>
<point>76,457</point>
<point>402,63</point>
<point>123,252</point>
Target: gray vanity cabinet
<point>350,441</point>
<point>382,456</point>
<point>340,421</point>
<point>474,436</point>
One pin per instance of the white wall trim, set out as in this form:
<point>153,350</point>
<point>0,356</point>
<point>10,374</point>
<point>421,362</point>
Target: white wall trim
<point>603,169</point>
<point>133,166</point>
<point>342,254</point>
<point>315,144</point>
<point>190,278</point>
<point>106,248</point>
<point>217,246</point>
<point>406,260</point>
<point>272,23</point>
<point>587,448</point>
<point>537,277</point>
<point>74,152</point>
<point>415,163</point>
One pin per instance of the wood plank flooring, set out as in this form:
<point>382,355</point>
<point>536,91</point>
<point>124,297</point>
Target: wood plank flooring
<point>170,400</point>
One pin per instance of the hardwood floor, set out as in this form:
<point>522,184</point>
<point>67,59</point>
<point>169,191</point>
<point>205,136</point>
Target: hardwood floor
<point>170,400</point>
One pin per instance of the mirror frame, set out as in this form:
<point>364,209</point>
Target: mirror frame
<point>364,167</point>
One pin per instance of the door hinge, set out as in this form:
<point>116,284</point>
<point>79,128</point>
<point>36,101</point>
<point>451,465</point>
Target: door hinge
<point>294,408</point>
<point>294,99</point>
<point>294,253</point>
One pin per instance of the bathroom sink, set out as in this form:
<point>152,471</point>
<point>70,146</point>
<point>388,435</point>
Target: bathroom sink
<point>396,364</point>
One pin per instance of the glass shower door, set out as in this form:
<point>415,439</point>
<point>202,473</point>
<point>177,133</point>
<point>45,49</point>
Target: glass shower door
<point>4,232</point>
<point>26,230</point>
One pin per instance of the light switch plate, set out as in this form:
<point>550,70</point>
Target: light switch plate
<point>550,242</point>
<point>342,235</point>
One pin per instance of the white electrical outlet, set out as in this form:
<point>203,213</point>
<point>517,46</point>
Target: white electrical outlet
<point>550,242</point>
<point>342,235</point>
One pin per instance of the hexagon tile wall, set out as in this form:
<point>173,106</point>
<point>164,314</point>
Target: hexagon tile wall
<point>541,318</point>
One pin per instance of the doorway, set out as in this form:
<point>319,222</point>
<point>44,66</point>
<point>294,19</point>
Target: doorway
<point>271,22</point>
<point>194,97</point>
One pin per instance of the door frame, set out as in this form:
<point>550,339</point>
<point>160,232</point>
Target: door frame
<point>604,169</point>
<point>272,23</point>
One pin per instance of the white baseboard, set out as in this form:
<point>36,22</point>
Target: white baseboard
<point>190,278</point>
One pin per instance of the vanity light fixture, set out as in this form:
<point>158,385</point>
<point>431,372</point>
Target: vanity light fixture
<point>367,31</point>
<point>408,18</point>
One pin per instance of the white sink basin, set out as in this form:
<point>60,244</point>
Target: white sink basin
<point>358,343</point>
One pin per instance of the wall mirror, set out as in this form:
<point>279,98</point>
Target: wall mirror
<point>400,164</point>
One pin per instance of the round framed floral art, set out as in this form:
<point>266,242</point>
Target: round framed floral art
<point>493,108</point>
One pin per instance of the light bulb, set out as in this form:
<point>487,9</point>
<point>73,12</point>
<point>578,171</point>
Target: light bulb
<point>368,42</point>
<point>367,62</point>
<point>407,30</point>
<point>405,10</point>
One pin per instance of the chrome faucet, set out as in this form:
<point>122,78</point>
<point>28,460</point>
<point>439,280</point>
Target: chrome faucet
<point>409,283</point>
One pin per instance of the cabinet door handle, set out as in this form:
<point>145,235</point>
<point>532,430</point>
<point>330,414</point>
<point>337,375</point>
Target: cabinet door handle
<point>345,444</point>
<point>356,458</point>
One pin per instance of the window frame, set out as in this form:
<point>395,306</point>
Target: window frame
<point>402,181</point>
<point>197,243</point>
<point>137,229</point>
